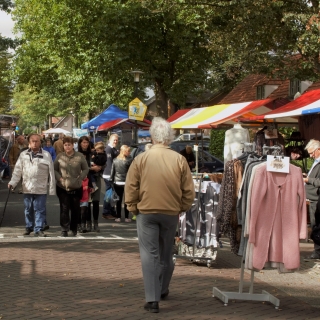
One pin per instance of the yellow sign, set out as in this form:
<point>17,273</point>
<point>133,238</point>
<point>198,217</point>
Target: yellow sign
<point>137,110</point>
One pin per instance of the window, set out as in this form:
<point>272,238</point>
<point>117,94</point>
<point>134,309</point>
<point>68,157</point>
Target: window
<point>295,86</point>
<point>260,92</point>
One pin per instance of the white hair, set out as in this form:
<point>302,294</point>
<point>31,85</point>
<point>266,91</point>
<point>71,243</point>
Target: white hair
<point>313,144</point>
<point>161,131</point>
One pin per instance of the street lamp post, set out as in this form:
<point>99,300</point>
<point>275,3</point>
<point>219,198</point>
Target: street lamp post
<point>136,79</point>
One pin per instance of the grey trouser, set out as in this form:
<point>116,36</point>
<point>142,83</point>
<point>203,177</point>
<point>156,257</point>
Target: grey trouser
<point>156,234</point>
<point>312,210</point>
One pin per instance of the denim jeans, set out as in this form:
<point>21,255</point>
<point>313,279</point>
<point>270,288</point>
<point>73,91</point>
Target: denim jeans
<point>35,211</point>
<point>107,209</point>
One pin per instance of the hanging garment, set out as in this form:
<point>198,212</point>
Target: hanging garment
<point>227,215</point>
<point>278,217</point>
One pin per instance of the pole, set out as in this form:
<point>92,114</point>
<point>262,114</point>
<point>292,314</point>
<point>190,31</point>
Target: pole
<point>135,122</point>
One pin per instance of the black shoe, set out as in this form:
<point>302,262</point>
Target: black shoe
<point>64,233</point>
<point>46,227</point>
<point>164,295</point>
<point>74,233</point>
<point>313,256</point>
<point>152,307</point>
<point>40,234</point>
<point>28,231</point>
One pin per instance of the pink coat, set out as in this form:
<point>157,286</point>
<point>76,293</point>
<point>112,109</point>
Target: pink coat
<point>278,217</point>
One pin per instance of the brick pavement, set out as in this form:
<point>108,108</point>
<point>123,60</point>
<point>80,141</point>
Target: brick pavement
<point>101,279</point>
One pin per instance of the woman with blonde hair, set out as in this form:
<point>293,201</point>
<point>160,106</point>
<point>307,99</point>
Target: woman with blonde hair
<point>120,167</point>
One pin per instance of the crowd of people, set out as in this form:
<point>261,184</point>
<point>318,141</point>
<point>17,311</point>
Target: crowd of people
<point>75,174</point>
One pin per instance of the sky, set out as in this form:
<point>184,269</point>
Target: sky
<point>6,24</point>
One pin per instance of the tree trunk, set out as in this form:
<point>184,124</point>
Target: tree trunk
<point>161,101</point>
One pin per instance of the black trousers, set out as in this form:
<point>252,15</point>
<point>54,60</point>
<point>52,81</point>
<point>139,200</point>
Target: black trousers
<point>120,192</point>
<point>95,210</point>
<point>69,201</point>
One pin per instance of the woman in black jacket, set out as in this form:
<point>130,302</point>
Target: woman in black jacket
<point>120,167</point>
<point>85,147</point>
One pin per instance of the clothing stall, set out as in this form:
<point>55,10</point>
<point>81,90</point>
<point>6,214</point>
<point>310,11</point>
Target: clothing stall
<point>258,182</point>
<point>198,232</point>
<point>254,192</point>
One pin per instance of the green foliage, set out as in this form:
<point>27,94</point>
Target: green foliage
<point>5,82</point>
<point>216,147</point>
<point>85,50</point>
<point>258,36</point>
<point>32,107</point>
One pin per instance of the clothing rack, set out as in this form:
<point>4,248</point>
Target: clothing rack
<point>196,255</point>
<point>224,296</point>
<point>274,150</point>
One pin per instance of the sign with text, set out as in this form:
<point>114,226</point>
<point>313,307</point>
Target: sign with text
<point>137,110</point>
<point>77,133</point>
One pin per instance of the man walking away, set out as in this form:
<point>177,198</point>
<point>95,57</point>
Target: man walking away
<point>158,187</point>
<point>35,167</point>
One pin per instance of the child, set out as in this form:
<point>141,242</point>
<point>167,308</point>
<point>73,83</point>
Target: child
<point>84,202</point>
<point>99,158</point>
<point>48,147</point>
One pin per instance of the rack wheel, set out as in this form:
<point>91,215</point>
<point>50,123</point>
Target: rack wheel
<point>208,263</point>
<point>174,259</point>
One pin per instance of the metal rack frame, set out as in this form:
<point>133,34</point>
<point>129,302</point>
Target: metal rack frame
<point>250,296</point>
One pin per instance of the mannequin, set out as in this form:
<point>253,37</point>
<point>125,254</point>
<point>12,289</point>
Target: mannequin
<point>234,142</point>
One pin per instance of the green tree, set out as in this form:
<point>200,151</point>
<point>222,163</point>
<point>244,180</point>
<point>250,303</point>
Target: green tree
<point>279,37</point>
<point>33,108</point>
<point>5,82</point>
<point>84,50</point>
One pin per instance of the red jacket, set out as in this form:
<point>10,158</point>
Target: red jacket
<point>85,190</point>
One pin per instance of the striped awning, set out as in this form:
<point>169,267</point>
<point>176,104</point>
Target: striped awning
<point>307,103</point>
<point>224,113</point>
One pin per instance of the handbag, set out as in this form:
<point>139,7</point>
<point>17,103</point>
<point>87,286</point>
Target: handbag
<point>315,235</point>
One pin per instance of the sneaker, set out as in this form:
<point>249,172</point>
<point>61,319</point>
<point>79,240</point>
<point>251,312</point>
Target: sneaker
<point>27,232</point>
<point>127,220</point>
<point>117,220</point>
<point>40,234</point>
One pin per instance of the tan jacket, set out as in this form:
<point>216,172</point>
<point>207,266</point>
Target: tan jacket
<point>15,152</point>
<point>159,181</point>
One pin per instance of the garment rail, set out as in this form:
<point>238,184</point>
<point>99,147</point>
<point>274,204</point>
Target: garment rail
<point>193,252</point>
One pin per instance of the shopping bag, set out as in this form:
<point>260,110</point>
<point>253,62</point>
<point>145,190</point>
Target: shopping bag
<point>111,197</point>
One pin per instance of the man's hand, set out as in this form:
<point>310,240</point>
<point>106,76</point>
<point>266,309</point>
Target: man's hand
<point>10,186</point>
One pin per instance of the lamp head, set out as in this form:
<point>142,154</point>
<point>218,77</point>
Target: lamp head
<point>136,75</point>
